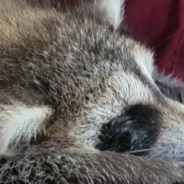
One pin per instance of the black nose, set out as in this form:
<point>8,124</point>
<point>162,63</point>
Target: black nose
<point>136,130</point>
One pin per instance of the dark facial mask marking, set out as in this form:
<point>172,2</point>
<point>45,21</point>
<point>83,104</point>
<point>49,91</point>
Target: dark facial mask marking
<point>174,93</point>
<point>137,129</point>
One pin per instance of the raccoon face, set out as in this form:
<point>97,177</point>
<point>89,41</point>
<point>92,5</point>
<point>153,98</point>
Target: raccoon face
<point>126,112</point>
<point>150,122</point>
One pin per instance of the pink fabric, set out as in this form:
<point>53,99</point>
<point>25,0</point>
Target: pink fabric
<point>160,24</point>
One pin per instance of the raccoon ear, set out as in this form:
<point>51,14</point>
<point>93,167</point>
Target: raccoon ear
<point>113,11</point>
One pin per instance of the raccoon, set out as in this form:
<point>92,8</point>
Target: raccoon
<point>77,98</point>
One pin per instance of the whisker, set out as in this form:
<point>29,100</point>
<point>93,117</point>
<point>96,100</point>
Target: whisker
<point>139,151</point>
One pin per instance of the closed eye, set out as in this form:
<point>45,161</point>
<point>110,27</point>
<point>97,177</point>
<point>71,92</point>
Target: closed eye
<point>136,130</point>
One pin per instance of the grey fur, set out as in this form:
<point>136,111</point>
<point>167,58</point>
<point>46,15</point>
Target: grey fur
<point>76,166</point>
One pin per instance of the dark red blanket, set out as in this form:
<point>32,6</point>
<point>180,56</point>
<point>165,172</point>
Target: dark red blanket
<point>160,23</point>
